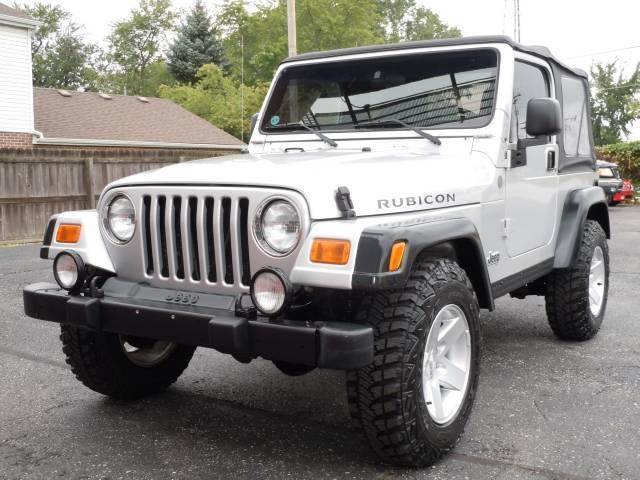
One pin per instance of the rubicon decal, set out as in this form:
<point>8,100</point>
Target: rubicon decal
<point>417,200</point>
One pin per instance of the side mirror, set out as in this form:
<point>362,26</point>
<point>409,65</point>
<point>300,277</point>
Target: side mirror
<point>543,117</point>
<point>254,122</point>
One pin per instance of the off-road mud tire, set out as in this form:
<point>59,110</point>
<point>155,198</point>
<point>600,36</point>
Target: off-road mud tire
<point>567,290</point>
<point>99,362</point>
<point>386,397</point>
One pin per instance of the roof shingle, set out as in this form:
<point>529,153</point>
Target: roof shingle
<point>13,12</point>
<point>87,115</point>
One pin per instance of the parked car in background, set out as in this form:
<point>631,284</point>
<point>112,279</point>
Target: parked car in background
<point>609,180</point>
<point>627,192</point>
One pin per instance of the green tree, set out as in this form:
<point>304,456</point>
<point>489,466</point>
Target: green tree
<point>157,75</point>
<point>403,20</point>
<point>425,24</point>
<point>196,44</point>
<point>218,99</point>
<point>61,58</point>
<point>137,41</point>
<point>322,25</point>
<point>614,102</point>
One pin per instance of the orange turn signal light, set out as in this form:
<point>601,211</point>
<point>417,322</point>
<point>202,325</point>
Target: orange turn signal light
<point>328,250</point>
<point>68,233</point>
<point>397,254</point>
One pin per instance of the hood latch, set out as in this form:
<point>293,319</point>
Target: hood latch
<point>345,205</point>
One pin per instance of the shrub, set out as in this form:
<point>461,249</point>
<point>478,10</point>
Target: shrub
<point>626,155</point>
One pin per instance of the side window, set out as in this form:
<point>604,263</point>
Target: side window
<point>574,112</point>
<point>530,81</point>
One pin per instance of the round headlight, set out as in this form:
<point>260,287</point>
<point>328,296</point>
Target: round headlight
<point>277,227</point>
<point>271,291</point>
<point>68,270</point>
<point>121,218</point>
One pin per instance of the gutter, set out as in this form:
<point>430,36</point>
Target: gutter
<point>75,142</point>
<point>19,22</point>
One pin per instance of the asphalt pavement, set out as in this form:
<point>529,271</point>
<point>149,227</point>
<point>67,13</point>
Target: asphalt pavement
<point>545,408</point>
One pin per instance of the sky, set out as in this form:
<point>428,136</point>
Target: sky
<point>578,32</point>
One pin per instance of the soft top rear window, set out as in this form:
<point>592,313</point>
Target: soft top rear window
<point>431,90</point>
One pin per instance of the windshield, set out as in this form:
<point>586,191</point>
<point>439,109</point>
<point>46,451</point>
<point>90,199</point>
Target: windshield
<point>435,90</point>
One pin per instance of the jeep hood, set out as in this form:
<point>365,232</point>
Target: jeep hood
<point>380,182</point>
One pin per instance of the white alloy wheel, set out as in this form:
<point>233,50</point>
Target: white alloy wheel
<point>149,356</point>
<point>446,364</point>
<point>596,281</point>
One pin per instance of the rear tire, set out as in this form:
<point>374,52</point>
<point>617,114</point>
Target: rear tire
<point>388,397</point>
<point>101,362</point>
<point>576,297</point>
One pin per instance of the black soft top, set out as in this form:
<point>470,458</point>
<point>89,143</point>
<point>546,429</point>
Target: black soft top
<point>538,51</point>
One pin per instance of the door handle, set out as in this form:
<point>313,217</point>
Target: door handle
<point>551,159</point>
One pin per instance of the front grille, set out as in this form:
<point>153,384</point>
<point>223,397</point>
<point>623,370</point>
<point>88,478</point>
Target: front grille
<point>200,239</point>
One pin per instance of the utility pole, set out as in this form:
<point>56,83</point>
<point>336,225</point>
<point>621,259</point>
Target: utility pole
<point>291,27</point>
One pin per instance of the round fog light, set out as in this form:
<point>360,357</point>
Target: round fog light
<point>68,270</point>
<point>271,291</point>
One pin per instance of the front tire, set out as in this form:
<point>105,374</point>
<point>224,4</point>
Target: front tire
<point>414,400</point>
<point>576,297</point>
<point>124,368</point>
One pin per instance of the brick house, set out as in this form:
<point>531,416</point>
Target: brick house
<point>58,149</point>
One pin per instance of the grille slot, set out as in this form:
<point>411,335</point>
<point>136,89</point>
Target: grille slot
<point>160,220</point>
<point>211,256</point>
<point>177,229</point>
<point>226,239</point>
<point>244,240</point>
<point>146,206</point>
<point>193,239</point>
<point>200,239</point>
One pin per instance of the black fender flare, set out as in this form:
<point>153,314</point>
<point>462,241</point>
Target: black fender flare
<point>374,248</point>
<point>580,205</point>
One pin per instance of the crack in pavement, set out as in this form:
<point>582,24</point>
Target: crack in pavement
<point>550,474</point>
<point>33,357</point>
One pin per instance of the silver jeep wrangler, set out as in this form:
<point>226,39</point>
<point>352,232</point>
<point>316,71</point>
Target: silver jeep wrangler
<point>388,194</point>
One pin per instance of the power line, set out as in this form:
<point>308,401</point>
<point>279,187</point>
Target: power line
<point>630,47</point>
<point>631,85</point>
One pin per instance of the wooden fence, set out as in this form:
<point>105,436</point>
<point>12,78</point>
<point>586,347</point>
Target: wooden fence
<point>34,184</point>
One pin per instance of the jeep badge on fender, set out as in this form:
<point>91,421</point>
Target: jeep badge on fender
<point>389,193</point>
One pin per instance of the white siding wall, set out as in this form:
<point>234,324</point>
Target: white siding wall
<point>16,89</point>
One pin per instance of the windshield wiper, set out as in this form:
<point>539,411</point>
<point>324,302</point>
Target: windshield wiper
<point>395,121</point>
<point>320,135</point>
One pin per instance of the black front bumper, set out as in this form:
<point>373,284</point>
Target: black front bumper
<point>134,309</point>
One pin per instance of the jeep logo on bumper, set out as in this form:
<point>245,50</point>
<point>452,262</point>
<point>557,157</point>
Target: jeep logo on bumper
<point>416,200</point>
<point>181,297</point>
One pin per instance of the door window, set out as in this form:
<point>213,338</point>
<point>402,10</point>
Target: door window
<point>530,81</point>
<point>574,113</point>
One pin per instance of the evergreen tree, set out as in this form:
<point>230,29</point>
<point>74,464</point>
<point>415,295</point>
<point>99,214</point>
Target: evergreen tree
<point>196,44</point>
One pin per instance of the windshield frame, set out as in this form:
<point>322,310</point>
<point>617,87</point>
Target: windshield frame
<point>354,129</point>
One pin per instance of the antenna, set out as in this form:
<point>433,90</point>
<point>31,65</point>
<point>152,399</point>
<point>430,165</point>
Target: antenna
<point>516,20</point>
<point>504,16</point>
<point>242,87</point>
